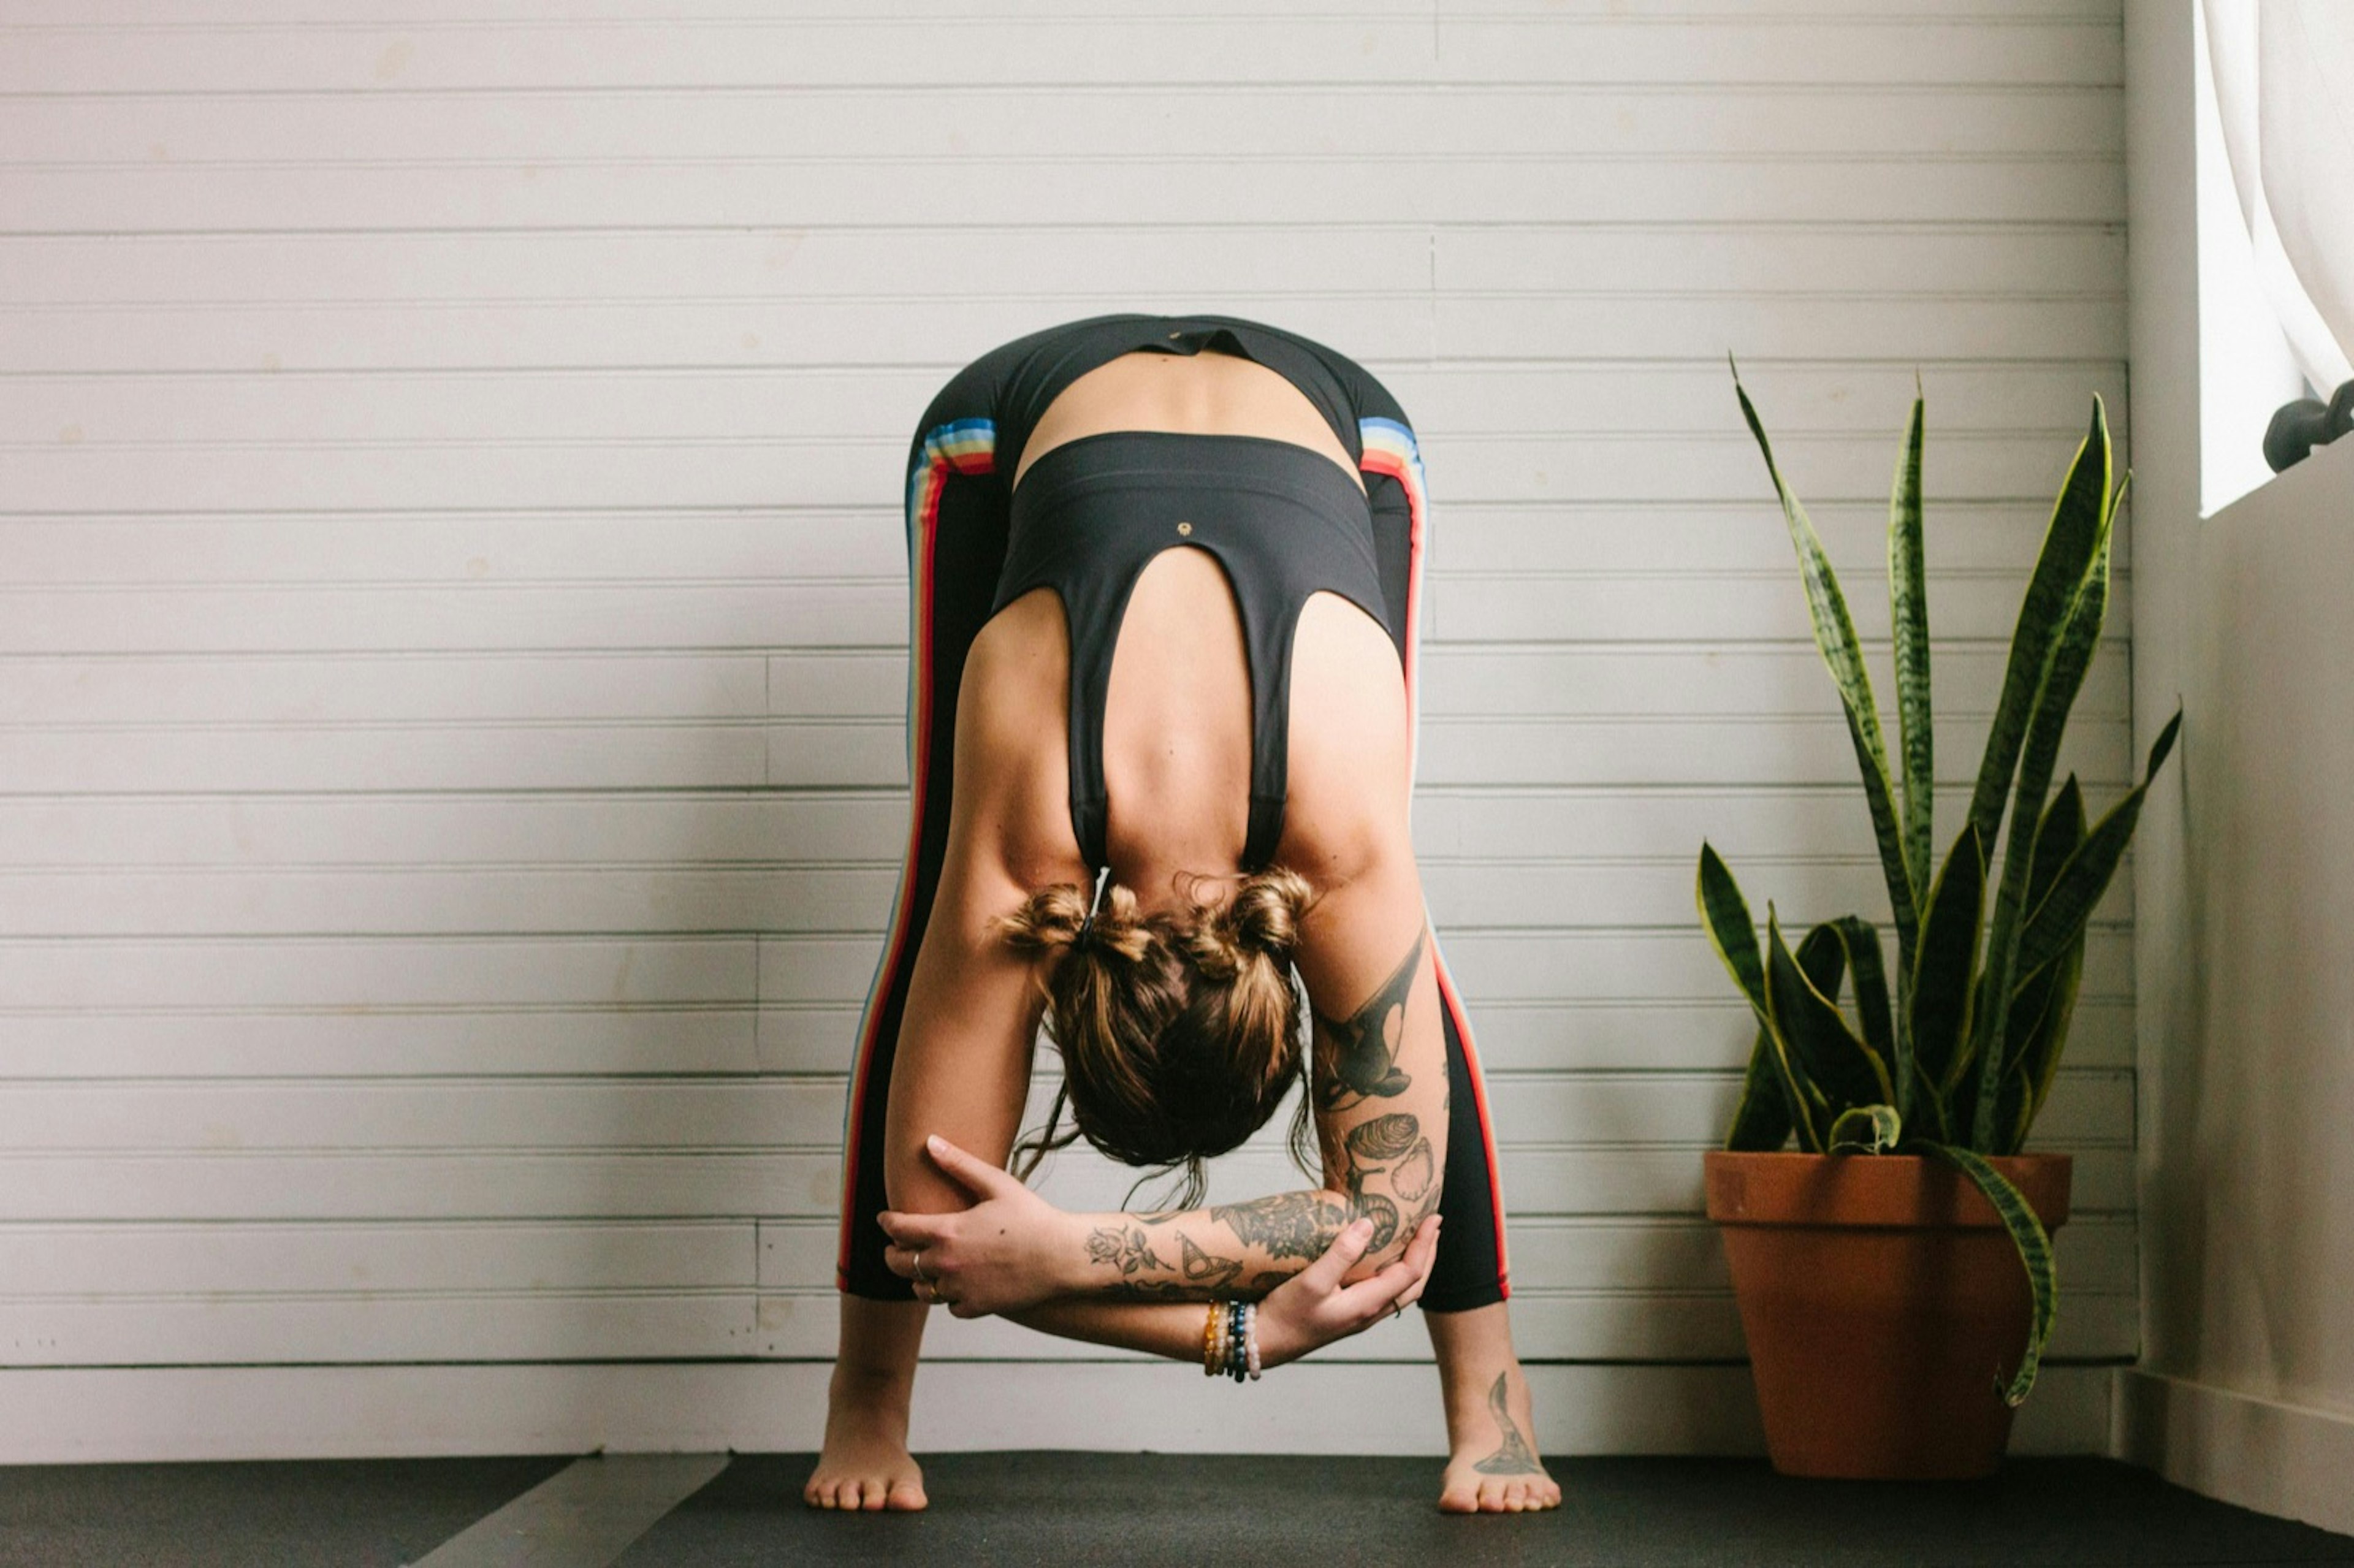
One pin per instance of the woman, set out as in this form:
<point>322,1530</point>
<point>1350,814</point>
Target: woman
<point>1140,848</point>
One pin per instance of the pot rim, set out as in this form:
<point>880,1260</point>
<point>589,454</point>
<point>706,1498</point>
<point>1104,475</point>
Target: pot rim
<point>1793,1187</point>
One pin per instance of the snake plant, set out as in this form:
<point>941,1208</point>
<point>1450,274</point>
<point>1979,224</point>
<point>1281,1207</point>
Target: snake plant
<point>1956,1066</point>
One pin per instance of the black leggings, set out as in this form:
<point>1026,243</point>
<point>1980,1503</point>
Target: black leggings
<point>956,546</point>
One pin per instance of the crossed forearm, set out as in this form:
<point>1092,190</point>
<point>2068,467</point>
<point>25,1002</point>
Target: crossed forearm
<point>1225,1253</point>
<point>1169,1328</point>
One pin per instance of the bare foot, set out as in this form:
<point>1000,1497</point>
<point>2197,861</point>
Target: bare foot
<point>1494,1468</point>
<point>865,1464</point>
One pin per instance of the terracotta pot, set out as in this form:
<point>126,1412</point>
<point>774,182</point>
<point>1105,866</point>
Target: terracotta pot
<point>1882,1300</point>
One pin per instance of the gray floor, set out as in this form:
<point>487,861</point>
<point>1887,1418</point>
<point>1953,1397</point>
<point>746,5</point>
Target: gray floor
<point>1051,1507</point>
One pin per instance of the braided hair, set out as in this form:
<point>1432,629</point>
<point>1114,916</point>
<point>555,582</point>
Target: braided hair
<point>1180,1032</point>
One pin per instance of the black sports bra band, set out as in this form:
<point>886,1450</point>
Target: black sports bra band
<point>1354,487</point>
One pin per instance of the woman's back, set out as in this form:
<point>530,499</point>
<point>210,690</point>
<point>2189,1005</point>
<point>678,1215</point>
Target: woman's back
<point>1177,715</point>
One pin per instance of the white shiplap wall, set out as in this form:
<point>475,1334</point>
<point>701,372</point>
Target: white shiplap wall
<point>451,620</point>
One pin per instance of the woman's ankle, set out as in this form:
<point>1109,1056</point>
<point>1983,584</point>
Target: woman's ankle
<point>881,1386</point>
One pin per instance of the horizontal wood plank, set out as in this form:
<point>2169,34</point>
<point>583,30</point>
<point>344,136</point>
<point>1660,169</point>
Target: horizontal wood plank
<point>873,410</point>
<point>1573,676</point>
<point>1799,826</point>
<point>346,901</point>
<point>989,123</point>
<point>672,1113</point>
<point>601,1184</point>
<point>1097,48</point>
<point>1633,1325</point>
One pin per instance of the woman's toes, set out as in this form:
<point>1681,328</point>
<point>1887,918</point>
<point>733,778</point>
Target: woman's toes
<point>871,1495</point>
<point>908,1496</point>
<point>1458,1496</point>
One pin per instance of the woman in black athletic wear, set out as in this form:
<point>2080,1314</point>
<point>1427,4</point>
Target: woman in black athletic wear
<point>1141,851</point>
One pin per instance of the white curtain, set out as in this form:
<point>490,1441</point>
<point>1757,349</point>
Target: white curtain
<point>2283,75</point>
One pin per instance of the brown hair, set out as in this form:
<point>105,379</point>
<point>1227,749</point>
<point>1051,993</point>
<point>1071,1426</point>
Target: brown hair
<point>1180,1033</point>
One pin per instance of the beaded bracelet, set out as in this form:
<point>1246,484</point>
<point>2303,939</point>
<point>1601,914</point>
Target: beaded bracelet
<point>1215,1362</point>
<point>1230,1341</point>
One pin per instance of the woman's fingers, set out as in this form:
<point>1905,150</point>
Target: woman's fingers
<point>1371,1297</point>
<point>976,1174</point>
<point>914,1230</point>
<point>1424,1255</point>
<point>1323,1275</point>
<point>1423,1251</point>
<point>911,1263</point>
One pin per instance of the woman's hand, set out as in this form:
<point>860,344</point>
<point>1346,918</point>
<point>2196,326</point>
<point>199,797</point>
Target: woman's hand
<point>1002,1254</point>
<point>1313,1308</point>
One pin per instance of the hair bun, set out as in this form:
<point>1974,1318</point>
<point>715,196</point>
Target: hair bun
<point>1265,911</point>
<point>1055,917</point>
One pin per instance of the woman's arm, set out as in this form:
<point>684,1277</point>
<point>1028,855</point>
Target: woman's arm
<point>969,1028</point>
<point>1312,1308</point>
<point>1379,1083</point>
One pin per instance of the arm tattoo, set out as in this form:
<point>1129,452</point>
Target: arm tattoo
<point>1201,1268</point>
<point>1125,1249</point>
<point>1413,1175</point>
<point>1358,1055</point>
<point>1513,1456</point>
<point>1383,1137</point>
<point>1147,1290</point>
<point>1288,1225</point>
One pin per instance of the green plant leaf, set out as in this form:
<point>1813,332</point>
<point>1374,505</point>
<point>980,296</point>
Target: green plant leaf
<point>2056,837</point>
<point>1724,914</point>
<point>1835,636</point>
<point>1861,941</point>
<point>2076,884</point>
<point>1866,1130</point>
<point>2071,657</point>
<point>1827,1054</point>
<point>1908,614</point>
<point>1763,1120</point>
<point>1944,968</point>
<point>2011,1111</point>
<point>2034,1245</point>
<point>2078,519</point>
<point>2047,1003</point>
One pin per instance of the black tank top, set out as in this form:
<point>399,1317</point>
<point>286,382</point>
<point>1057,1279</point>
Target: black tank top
<point>1282,519</point>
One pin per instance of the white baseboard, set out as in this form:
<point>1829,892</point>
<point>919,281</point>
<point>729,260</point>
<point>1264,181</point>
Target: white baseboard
<point>95,1414</point>
<point>2279,1459</point>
